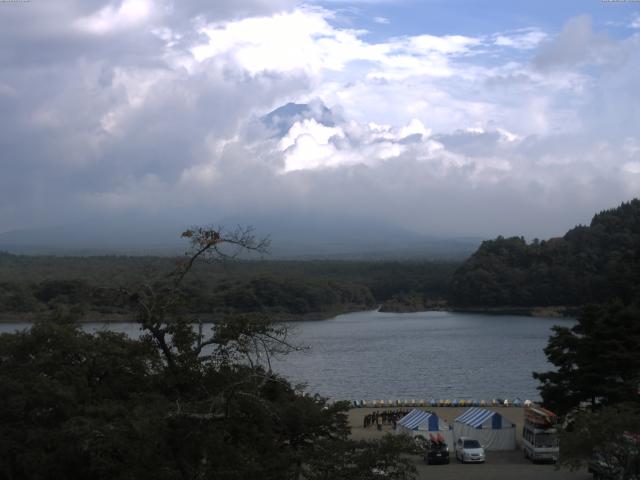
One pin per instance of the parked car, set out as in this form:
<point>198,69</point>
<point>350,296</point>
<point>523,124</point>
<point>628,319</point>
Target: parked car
<point>469,450</point>
<point>436,452</point>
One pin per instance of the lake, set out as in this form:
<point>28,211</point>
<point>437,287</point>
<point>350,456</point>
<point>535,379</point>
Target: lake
<point>373,355</point>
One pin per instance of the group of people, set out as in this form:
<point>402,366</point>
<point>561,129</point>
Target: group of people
<point>385,417</point>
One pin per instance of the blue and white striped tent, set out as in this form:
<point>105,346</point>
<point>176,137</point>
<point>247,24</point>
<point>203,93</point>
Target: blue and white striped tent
<point>492,430</point>
<point>419,422</point>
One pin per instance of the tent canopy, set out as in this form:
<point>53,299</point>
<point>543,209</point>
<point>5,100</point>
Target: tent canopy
<point>482,418</point>
<point>419,422</point>
<point>492,430</point>
<point>419,419</point>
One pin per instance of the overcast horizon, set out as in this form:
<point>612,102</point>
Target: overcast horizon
<point>458,119</point>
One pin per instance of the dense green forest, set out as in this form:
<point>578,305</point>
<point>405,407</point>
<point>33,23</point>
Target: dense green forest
<point>590,264</point>
<point>32,285</point>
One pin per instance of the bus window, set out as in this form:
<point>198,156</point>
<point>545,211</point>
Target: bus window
<point>545,440</point>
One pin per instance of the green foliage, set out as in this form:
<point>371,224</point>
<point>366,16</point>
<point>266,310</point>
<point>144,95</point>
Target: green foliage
<point>589,264</point>
<point>72,403</point>
<point>75,405</point>
<point>353,460</point>
<point>608,438</point>
<point>597,360</point>
<point>179,403</point>
<point>287,289</point>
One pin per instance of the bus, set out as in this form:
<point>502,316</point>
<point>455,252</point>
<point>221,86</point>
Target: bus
<point>540,435</point>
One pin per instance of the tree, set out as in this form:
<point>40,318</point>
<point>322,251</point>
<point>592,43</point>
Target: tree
<point>588,264</point>
<point>609,438</point>
<point>357,460</point>
<point>75,405</point>
<point>597,360</point>
<point>179,403</point>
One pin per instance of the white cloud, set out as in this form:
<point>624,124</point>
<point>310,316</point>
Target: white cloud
<point>632,167</point>
<point>304,40</point>
<point>130,13</point>
<point>381,20</point>
<point>520,39</point>
<point>321,133</point>
<point>446,44</point>
<point>635,21</point>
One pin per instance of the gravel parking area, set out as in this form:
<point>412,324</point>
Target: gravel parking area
<point>499,465</point>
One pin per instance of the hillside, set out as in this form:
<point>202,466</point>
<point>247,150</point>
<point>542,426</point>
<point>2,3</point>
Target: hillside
<point>589,264</point>
<point>35,285</point>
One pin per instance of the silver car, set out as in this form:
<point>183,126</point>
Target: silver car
<point>469,450</point>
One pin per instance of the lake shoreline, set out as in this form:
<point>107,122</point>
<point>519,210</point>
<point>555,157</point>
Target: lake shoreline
<point>558,311</point>
<point>115,318</point>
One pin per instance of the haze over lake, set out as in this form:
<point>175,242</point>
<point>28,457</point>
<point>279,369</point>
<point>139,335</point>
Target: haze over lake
<point>444,355</point>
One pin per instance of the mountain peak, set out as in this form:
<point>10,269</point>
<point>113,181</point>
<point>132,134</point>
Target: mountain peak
<point>283,118</point>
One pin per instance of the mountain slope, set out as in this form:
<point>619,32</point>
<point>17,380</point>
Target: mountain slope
<point>292,237</point>
<point>588,264</point>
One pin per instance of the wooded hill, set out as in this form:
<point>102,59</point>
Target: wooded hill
<point>32,285</point>
<point>589,264</point>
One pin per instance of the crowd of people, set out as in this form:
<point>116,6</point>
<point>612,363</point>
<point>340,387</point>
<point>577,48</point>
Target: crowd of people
<point>384,417</point>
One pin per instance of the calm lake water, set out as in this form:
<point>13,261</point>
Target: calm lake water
<point>373,355</point>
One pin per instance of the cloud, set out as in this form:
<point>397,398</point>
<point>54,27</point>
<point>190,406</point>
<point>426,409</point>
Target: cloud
<point>153,107</point>
<point>305,40</point>
<point>577,44</point>
<point>129,14</point>
<point>524,39</point>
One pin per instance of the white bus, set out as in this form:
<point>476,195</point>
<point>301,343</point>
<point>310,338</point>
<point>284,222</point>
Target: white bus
<point>540,444</point>
<point>540,435</point>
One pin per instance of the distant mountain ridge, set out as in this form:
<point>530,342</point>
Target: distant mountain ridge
<point>292,237</point>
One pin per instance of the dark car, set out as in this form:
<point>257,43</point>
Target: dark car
<point>436,452</point>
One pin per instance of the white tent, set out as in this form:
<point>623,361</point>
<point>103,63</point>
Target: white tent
<point>492,430</point>
<point>419,422</point>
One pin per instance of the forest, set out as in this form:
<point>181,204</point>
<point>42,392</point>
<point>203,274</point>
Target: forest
<point>589,264</point>
<point>31,286</point>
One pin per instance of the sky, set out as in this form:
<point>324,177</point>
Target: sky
<point>449,118</point>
